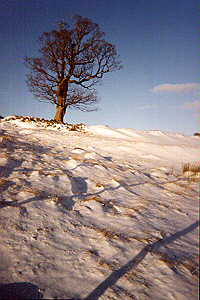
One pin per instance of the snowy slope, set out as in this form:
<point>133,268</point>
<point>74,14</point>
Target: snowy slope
<point>78,207</point>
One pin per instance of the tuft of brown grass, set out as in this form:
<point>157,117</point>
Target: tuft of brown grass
<point>191,170</point>
<point>191,167</point>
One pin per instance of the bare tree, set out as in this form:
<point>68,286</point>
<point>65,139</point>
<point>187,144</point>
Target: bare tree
<point>73,59</point>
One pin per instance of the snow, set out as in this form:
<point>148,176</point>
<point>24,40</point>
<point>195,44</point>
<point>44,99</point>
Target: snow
<point>78,206</point>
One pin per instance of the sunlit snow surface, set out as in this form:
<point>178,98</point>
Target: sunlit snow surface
<point>77,206</point>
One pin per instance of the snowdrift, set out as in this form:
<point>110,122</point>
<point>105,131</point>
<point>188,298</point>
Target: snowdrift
<point>98,213</point>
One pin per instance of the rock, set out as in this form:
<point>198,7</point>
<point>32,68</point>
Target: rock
<point>48,123</point>
<point>197,134</point>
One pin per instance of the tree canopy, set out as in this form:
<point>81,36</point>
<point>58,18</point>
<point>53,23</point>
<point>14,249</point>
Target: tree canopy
<point>73,59</point>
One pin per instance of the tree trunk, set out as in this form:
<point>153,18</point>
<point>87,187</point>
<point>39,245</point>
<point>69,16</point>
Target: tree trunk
<point>61,106</point>
<point>60,113</point>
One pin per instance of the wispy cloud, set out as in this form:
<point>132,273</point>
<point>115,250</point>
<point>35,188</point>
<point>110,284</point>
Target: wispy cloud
<point>176,88</point>
<point>193,105</point>
<point>147,106</point>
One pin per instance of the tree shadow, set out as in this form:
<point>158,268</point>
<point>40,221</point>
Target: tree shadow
<point>5,184</point>
<point>9,145</point>
<point>15,291</point>
<point>19,291</point>
<point>133,263</point>
<point>42,195</point>
<point>11,164</point>
<point>66,202</point>
<point>22,291</point>
<point>5,171</point>
<point>79,188</point>
<point>79,185</point>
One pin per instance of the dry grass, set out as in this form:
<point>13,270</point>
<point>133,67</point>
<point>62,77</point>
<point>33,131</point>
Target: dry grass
<point>6,138</point>
<point>191,171</point>
<point>179,264</point>
<point>3,181</point>
<point>191,167</point>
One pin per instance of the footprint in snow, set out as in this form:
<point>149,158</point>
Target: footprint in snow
<point>78,150</point>
<point>70,164</point>
<point>110,184</point>
<point>3,161</point>
<point>113,183</point>
<point>79,153</point>
<point>78,185</point>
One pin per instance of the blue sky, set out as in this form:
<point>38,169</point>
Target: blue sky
<point>158,43</point>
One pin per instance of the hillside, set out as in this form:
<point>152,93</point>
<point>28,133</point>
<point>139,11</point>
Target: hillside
<point>98,213</point>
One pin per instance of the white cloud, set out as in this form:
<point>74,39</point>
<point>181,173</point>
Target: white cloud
<point>194,105</point>
<point>176,88</point>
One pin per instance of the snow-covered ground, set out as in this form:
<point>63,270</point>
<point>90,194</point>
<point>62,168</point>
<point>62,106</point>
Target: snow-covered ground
<point>99,213</point>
